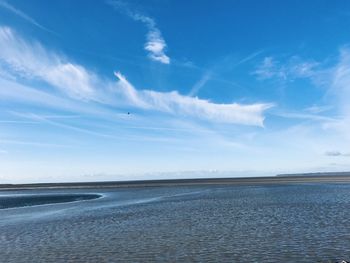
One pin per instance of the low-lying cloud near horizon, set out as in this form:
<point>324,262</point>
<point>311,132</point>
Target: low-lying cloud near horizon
<point>337,154</point>
<point>22,59</point>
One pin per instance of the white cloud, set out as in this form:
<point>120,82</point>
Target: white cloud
<point>31,60</point>
<point>155,44</point>
<point>73,79</point>
<point>175,103</point>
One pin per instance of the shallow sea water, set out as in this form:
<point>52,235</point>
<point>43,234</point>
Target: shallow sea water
<point>276,223</point>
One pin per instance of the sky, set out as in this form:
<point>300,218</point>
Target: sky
<point>127,90</point>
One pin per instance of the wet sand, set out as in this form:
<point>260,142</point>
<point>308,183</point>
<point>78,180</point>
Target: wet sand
<point>42,199</point>
<point>304,222</point>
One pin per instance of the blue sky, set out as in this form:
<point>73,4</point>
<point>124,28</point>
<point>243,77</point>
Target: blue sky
<point>123,90</point>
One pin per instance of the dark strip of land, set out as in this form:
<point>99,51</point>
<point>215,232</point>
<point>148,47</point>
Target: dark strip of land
<point>286,179</point>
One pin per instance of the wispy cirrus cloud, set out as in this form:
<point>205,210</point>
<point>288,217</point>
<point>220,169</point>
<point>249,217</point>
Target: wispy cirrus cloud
<point>338,83</point>
<point>267,69</point>
<point>295,67</point>
<point>332,76</point>
<point>30,60</point>
<point>175,103</point>
<point>21,14</point>
<point>155,44</point>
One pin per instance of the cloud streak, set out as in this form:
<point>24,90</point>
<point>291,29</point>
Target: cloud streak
<point>23,15</point>
<point>306,116</point>
<point>200,83</point>
<point>155,44</point>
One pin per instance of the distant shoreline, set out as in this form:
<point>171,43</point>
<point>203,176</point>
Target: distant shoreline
<point>343,177</point>
<point>316,174</point>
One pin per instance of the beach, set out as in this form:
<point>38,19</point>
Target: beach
<point>245,221</point>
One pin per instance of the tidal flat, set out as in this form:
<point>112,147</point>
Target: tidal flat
<point>241,222</point>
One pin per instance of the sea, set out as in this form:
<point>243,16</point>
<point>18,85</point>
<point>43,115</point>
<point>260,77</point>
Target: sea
<point>209,223</point>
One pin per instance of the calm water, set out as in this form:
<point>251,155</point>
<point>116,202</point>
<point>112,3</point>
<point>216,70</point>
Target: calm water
<point>282,223</point>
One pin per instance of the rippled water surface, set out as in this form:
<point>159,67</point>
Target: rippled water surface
<point>281,223</point>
